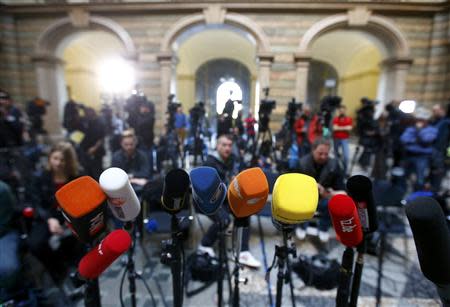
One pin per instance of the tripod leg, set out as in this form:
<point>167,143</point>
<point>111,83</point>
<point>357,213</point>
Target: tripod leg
<point>289,276</point>
<point>280,282</point>
<point>263,249</point>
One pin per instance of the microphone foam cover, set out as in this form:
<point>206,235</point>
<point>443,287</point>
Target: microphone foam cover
<point>80,196</point>
<point>345,220</point>
<point>175,191</point>
<point>100,257</point>
<point>122,198</point>
<point>432,238</point>
<point>248,192</point>
<point>208,190</point>
<point>294,198</point>
<point>359,188</point>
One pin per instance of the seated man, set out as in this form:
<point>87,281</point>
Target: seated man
<point>223,161</point>
<point>330,181</point>
<point>9,241</point>
<point>132,160</point>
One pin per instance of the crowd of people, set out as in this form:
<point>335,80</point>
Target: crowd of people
<point>418,143</point>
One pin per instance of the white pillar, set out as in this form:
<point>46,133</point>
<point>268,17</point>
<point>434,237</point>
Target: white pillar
<point>265,63</point>
<point>165,63</point>
<point>51,87</point>
<point>301,85</point>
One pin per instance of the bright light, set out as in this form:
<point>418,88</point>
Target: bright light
<point>407,106</point>
<point>116,76</point>
<point>229,90</point>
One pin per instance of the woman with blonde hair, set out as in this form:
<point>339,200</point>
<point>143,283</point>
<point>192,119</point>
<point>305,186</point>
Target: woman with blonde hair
<point>49,238</point>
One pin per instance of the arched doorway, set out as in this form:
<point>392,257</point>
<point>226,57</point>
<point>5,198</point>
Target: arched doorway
<point>214,18</point>
<point>49,63</point>
<point>215,73</point>
<point>382,38</point>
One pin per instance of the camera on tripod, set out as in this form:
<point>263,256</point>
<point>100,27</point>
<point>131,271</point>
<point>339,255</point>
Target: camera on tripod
<point>328,105</point>
<point>265,108</point>
<point>197,111</point>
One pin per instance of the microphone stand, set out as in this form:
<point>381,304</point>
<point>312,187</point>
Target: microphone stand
<point>92,293</point>
<point>284,275</point>
<point>223,261</point>
<point>175,263</point>
<point>131,269</point>
<point>239,223</point>
<point>359,265</point>
<point>345,276</point>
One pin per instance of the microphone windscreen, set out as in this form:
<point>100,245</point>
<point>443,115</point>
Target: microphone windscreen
<point>208,190</point>
<point>100,257</point>
<point>248,192</point>
<point>294,198</point>
<point>432,238</point>
<point>360,189</point>
<point>175,191</point>
<point>122,198</point>
<point>83,204</point>
<point>345,220</point>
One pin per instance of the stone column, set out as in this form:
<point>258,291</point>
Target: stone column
<point>265,62</point>
<point>301,85</point>
<point>51,87</point>
<point>165,63</point>
<point>395,70</point>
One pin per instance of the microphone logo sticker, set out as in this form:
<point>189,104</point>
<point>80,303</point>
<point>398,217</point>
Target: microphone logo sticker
<point>100,251</point>
<point>96,223</point>
<point>217,194</point>
<point>116,201</point>
<point>347,225</point>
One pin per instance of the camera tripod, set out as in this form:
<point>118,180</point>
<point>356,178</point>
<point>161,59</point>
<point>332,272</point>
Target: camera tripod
<point>264,136</point>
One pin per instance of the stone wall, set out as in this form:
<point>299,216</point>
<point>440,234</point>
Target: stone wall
<point>427,35</point>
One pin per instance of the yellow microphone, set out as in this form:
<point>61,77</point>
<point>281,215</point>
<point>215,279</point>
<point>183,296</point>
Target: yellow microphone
<point>294,198</point>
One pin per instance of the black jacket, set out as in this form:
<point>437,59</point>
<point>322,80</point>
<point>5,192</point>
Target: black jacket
<point>329,176</point>
<point>42,195</point>
<point>225,169</point>
<point>138,165</point>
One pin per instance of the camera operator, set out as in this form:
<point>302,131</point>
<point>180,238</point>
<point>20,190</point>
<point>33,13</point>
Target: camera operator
<point>442,124</point>
<point>11,122</point>
<point>308,128</point>
<point>250,123</point>
<point>397,125</point>
<point>91,147</point>
<point>368,131</point>
<point>180,125</point>
<point>72,116</point>
<point>35,109</point>
<point>418,141</point>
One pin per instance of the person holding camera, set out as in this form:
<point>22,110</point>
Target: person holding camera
<point>368,131</point>
<point>418,141</point>
<point>11,125</point>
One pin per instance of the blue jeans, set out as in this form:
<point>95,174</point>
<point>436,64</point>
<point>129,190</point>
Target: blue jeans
<point>9,259</point>
<point>324,221</point>
<point>418,165</point>
<point>343,144</point>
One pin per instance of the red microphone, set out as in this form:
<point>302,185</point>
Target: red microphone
<point>345,220</point>
<point>100,257</point>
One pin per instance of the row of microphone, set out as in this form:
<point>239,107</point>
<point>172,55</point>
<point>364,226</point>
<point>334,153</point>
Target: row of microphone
<point>294,200</point>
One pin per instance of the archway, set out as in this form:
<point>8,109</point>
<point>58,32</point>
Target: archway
<point>213,18</point>
<point>390,42</point>
<point>49,63</point>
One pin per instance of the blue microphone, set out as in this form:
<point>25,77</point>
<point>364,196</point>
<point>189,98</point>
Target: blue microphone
<point>208,190</point>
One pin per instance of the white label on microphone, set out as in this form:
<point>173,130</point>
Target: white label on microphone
<point>363,214</point>
<point>100,251</point>
<point>347,225</point>
<point>96,223</point>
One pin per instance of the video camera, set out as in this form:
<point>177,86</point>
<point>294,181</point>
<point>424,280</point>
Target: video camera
<point>197,111</point>
<point>266,106</point>
<point>328,105</point>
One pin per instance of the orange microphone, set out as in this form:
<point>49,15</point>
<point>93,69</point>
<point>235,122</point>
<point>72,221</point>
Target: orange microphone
<point>248,192</point>
<point>83,205</point>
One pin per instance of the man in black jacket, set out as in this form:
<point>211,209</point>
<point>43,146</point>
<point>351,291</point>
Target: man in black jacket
<point>223,161</point>
<point>330,181</point>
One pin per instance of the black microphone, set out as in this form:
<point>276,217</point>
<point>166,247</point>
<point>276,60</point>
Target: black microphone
<point>432,239</point>
<point>360,189</point>
<point>175,191</point>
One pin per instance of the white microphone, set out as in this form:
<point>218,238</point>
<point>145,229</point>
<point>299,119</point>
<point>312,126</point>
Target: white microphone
<point>122,199</point>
